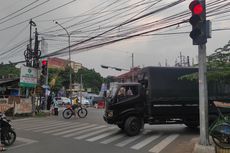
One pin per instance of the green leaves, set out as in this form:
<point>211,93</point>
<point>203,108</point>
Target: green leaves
<point>9,69</point>
<point>218,66</point>
<point>90,78</point>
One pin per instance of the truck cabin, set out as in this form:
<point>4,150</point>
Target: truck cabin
<point>123,91</point>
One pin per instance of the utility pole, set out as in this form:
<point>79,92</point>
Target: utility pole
<point>70,75</point>
<point>188,61</point>
<point>32,63</point>
<point>180,59</point>
<point>132,69</point>
<point>81,90</point>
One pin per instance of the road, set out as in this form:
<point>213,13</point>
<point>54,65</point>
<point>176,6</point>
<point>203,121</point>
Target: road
<point>54,134</point>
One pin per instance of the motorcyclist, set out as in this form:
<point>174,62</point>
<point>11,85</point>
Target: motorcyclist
<point>3,129</point>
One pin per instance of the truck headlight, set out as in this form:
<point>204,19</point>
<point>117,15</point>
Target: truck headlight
<point>110,114</point>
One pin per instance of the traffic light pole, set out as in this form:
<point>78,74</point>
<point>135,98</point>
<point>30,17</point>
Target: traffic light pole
<point>46,83</point>
<point>203,96</point>
<point>199,36</point>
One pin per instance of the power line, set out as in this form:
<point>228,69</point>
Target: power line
<point>38,15</point>
<point>169,19</point>
<point>18,11</point>
<point>15,47</point>
<point>84,20</point>
<point>15,36</point>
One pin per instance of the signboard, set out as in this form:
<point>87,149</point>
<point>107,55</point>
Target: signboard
<point>28,77</point>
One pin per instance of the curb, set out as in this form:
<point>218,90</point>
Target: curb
<point>203,149</point>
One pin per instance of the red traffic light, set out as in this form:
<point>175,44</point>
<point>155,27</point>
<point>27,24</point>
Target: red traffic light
<point>44,62</point>
<point>196,7</point>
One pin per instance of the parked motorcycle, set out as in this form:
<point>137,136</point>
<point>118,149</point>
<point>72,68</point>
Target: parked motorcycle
<point>8,135</point>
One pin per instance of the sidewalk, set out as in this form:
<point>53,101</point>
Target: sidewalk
<point>208,149</point>
<point>203,149</point>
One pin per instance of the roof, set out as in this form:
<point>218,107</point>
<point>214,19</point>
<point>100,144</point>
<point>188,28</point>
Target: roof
<point>3,81</point>
<point>133,71</point>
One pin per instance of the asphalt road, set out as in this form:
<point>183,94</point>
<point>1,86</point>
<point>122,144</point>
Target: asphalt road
<point>54,134</point>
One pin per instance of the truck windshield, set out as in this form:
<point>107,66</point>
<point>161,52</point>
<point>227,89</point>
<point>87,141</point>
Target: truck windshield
<point>112,91</point>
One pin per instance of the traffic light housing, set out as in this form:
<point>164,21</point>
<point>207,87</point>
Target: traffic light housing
<point>198,22</point>
<point>118,69</point>
<point>44,67</point>
<point>105,67</point>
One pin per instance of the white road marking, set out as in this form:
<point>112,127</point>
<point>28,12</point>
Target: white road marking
<point>35,125</point>
<point>57,126</point>
<point>145,142</point>
<point>160,146</point>
<point>66,128</point>
<point>22,120</point>
<point>73,130</point>
<point>129,140</point>
<point>93,133</point>
<point>114,138</point>
<point>25,142</point>
<point>83,131</point>
<point>48,125</point>
<point>101,136</point>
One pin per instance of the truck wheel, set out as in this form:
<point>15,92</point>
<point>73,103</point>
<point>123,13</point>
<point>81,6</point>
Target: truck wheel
<point>121,126</point>
<point>132,126</point>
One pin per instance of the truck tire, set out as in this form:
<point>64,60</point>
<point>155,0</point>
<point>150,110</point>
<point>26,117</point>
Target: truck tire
<point>132,126</point>
<point>121,126</point>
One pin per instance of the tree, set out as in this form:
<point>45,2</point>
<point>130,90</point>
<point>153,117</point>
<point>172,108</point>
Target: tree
<point>218,66</point>
<point>55,79</point>
<point>90,79</point>
<point>9,69</point>
<point>59,78</point>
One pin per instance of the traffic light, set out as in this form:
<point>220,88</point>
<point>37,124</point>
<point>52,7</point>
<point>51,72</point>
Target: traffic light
<point>105,67</point>
<point>198,22</point>
<point>44,67</point>
<point>118,69</point>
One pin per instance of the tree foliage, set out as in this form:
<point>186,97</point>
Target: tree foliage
<point>9,69</point>
<point>90,79</point>
<point>218,66</point>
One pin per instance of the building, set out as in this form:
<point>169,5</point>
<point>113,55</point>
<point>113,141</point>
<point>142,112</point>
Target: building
<point>56,63</point>
<point>9,87</point>
<point>129,76</point>
<point>62,63</point>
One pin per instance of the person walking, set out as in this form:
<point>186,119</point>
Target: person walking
<point>55,105</point>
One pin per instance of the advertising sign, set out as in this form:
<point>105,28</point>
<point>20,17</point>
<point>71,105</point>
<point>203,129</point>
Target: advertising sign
<point>28,77</point>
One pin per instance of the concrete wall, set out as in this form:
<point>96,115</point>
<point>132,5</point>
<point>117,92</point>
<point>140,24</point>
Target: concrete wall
<point>21,105</point>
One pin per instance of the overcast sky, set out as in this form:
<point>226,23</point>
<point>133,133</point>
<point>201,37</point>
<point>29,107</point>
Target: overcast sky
<point>94,22</point>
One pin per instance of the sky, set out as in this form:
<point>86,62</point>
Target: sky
<point>99,31</point>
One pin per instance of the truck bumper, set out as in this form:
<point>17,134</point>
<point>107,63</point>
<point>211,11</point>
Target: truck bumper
<point>108,119</point>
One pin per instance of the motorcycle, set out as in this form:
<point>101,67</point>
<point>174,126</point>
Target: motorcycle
<point>8,135</point>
